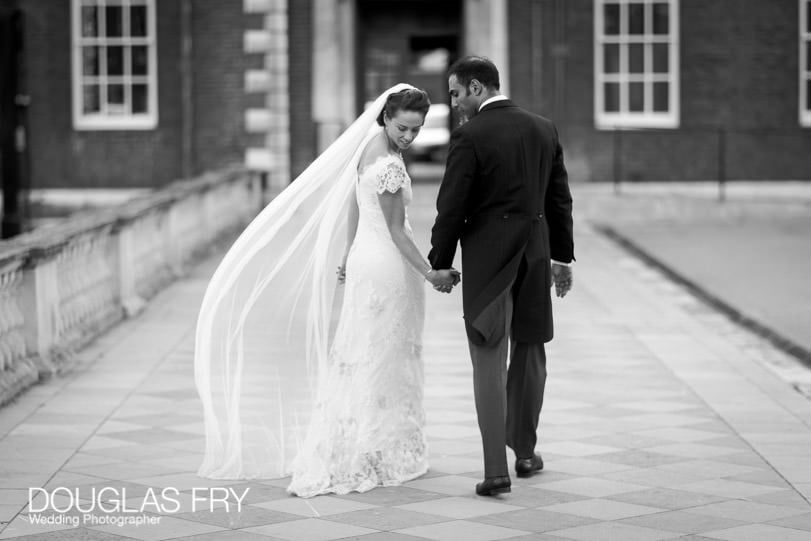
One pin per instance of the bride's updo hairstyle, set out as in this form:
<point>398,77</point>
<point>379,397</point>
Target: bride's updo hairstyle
<point>410,99</point>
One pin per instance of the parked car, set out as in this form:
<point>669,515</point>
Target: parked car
<point>432,142</point>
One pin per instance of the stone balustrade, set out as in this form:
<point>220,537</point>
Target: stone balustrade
<point>63,284</point>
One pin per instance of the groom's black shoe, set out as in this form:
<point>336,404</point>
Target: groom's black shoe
<point>493,485</point>
<point>525,467</point>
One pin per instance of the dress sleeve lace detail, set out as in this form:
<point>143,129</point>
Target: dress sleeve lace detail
<point>391,176</point>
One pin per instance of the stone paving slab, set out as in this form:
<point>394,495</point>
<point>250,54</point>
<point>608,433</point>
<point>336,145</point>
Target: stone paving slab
<point>661,421</point>
<point>749,255</point>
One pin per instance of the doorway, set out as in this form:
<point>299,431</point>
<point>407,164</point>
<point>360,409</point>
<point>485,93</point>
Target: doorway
<point>413,42</point>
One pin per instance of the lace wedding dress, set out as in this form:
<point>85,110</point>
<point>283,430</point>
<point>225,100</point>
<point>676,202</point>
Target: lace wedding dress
<point>265,351</point>
<point>367,425</point>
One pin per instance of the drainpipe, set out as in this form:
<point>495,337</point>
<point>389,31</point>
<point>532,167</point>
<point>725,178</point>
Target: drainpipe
<point>186,93</point>
<point>560,50</point>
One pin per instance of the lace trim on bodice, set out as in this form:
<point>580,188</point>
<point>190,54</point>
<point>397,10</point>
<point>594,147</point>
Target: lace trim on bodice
<point>389,173</point>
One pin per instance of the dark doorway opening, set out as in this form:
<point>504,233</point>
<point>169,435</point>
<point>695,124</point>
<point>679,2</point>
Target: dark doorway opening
<point>412,42</point>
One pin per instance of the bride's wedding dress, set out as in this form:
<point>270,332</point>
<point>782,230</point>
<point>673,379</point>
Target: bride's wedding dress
<point>277,382</point>
<point>367,427</point>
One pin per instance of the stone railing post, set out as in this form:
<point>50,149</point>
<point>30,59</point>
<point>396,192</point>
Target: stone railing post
<point>175,254</point>
<point>17,369</point>
<point>39,302</point>
<point>131,302</point>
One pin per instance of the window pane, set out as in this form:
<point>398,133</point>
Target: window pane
<point>138,21</point>
<point>636,58</point>
<point>91,103</point>
<point>612,97</point>
<point>660,58</point>
<point>808,55</point>
<point>115,99</point>
<point>661,18</point>
<point>808,95</point>
<point>636,97</point>
<point>115,60</point>
<point>90,61</point>
<point>90,21</point>
<point>636,18</point>
<point>139,99</point>
<point>611,16</point>
<point>114,21</point>
<point>139,60</point>
<point>611,59</point>
<point>660,97</point>
<point>808,16</point>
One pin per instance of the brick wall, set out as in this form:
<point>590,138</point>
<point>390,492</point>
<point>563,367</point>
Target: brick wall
<point>219,66</point>
<point>738,73</point>
<point>64,157</point>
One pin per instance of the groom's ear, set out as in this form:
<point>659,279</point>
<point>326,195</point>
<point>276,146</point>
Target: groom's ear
<point>475,87</point>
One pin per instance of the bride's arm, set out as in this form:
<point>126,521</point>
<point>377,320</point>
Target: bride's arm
<point>394,212</point>
<point>351,227</point>
<point>373,147</point>
<point>352,222</point>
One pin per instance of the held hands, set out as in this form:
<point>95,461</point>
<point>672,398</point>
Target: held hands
<point>444,280</point>
<point>562,278</point>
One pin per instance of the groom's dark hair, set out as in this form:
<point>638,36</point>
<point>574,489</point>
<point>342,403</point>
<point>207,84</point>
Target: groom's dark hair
<point>410,99</point>
<point>475,67</point>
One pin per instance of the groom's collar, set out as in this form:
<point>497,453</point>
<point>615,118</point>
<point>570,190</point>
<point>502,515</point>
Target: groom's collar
<point>494,99</point>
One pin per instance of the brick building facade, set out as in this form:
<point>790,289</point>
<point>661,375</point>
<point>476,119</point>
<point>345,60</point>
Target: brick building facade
<point>639,89</point>
<point>734,76</point>
<point>739,91</point>
<point>213,70</point>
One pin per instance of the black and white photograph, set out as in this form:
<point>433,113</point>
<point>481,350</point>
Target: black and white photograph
<point>403,270</point>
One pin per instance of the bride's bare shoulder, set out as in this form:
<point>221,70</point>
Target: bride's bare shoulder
<point>375,149</point>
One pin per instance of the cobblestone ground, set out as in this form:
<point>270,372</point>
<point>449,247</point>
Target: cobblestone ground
<point>662,420</point>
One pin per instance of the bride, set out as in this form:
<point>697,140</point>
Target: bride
<point>295,379</point>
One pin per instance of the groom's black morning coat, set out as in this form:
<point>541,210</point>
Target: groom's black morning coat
<point>505,196</point>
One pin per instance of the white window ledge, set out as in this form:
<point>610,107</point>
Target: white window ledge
<point>87,123</point>
<point>615,122</point>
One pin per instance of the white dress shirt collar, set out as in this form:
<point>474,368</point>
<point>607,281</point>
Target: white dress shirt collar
<point>500,97</point>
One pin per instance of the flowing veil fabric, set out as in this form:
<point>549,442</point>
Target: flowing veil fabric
<point>263,330</point>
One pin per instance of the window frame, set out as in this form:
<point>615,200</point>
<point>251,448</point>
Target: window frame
<point>103,120</point>
<point>804,74</point>
<point>625,119</point>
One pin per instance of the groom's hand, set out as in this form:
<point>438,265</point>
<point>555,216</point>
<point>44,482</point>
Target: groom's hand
<point>444,280</point>
<point>562,278</point>
<point>457,276</point>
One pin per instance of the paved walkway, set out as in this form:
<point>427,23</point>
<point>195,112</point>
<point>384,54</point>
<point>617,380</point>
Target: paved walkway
<point>661,422</point>
<point>751,254</point>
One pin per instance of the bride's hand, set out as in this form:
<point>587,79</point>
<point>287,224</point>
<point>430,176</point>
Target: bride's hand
<point>341,272</point>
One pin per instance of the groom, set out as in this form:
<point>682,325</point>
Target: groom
<point>505,196</point>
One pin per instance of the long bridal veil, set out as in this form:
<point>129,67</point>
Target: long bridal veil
<point>263,330</point>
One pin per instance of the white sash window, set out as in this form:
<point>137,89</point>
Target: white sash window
<point>114,65</point>
<point>636,63</point>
